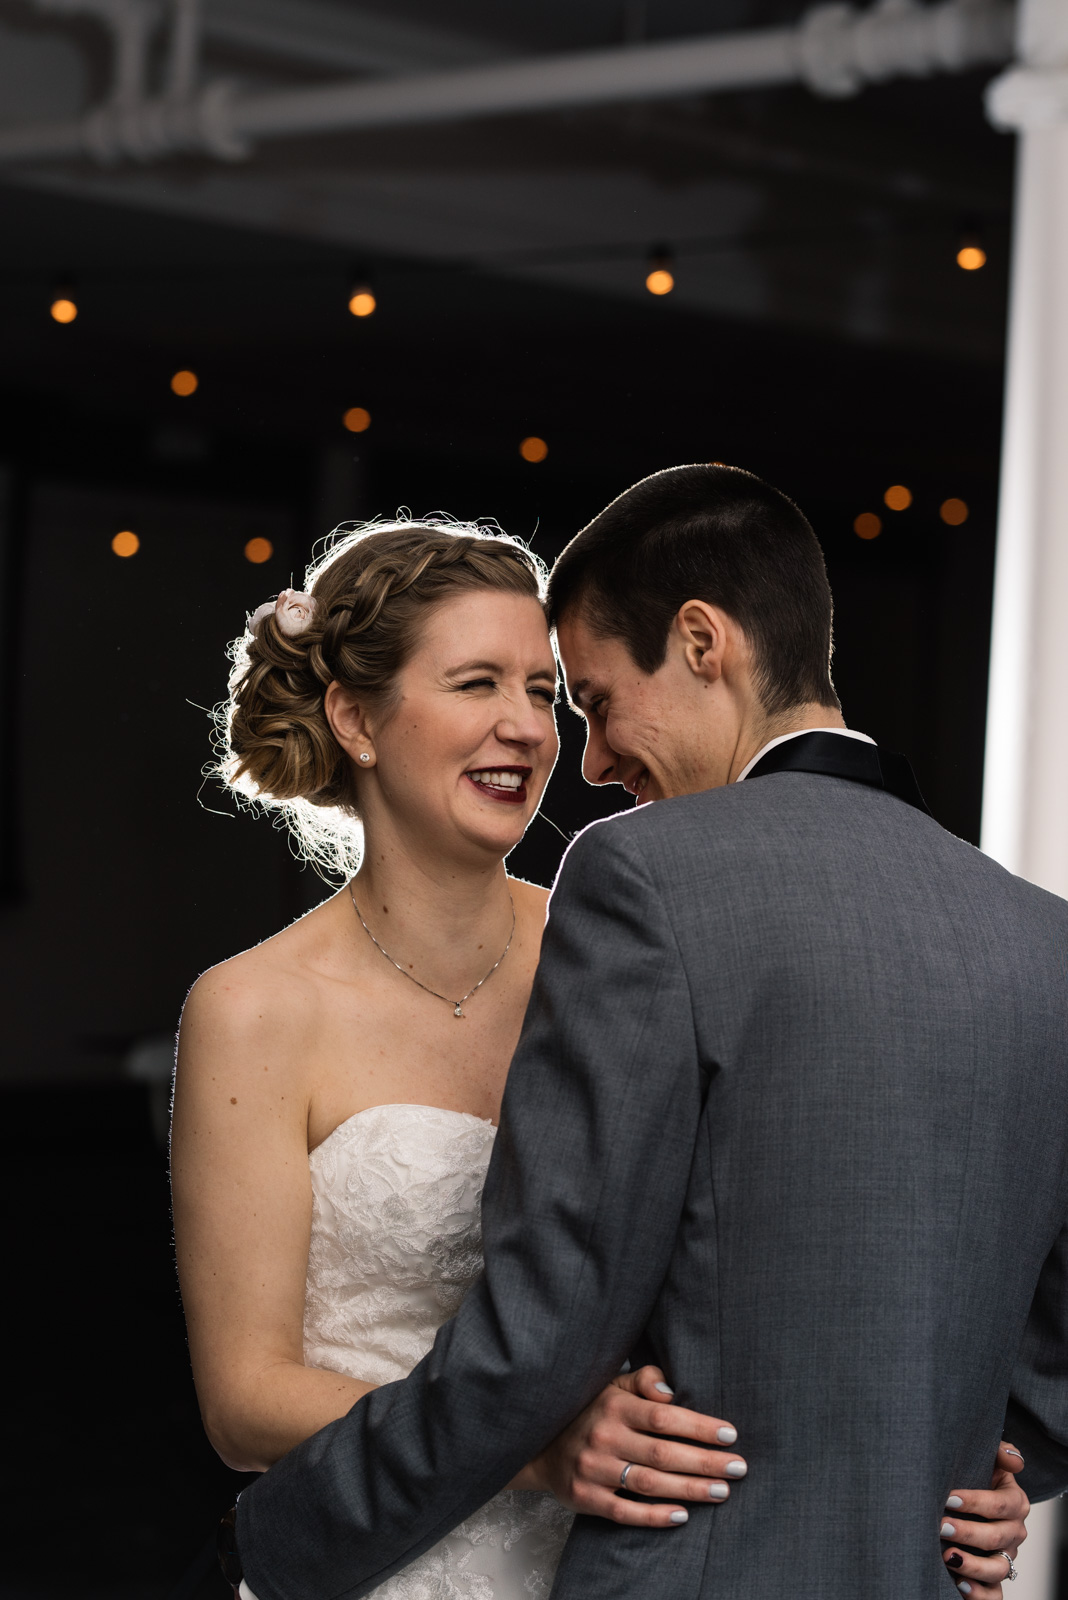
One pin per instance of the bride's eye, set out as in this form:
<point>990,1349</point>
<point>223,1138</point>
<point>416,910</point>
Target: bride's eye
<point>550,696</point>
<point>478,683</point>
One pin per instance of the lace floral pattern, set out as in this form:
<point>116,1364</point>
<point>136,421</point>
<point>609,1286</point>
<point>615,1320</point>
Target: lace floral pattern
<point>396,1242</point>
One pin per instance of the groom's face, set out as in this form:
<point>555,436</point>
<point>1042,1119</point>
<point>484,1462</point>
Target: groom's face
<point>648,731</point>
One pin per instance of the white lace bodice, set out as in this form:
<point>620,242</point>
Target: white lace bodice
<point>396,1243</point>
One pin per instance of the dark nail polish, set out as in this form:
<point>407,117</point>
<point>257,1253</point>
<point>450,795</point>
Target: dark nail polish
<point>955,1560</point>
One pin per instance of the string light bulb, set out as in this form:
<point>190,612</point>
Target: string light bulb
<point>867,525</point>
<point>533,449</point>
<point>971,251</point>
<point>660,279</point>
<point>897,497</point>
<point>185,383</point>
<point>970,257</point>
<point>126,543</point>
<point>64,307</point>
<point>357,419</point>
<point>362,300</point>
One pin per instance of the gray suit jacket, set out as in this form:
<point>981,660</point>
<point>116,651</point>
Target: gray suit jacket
<point>789,1115</point>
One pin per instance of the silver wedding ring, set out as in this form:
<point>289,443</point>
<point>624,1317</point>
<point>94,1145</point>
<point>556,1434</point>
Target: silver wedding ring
<point>626,1469</point>
<point>1012,1574</point>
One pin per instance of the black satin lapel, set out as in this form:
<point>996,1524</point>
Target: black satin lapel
<point>852,759</point>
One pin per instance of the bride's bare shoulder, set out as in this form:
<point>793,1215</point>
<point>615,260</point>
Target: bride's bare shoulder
<point>269,994</point>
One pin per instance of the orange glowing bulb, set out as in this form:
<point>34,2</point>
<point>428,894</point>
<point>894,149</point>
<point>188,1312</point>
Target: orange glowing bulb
<point>533,449</point>
<point>897,497</point>
<point>356,419</point>
<point>259,550</point>
<point>970,257</point>
<point>867,525</point>
<point>660,281</point>
<point>362,302</point>
<point>126,543</point>
<point>185,382</point>
<point>63,309</point>
<point>953,512</point>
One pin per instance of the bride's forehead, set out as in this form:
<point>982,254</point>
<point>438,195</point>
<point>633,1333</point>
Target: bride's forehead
<point>509,632</point>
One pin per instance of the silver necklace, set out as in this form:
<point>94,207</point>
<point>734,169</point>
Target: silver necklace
<point>457,1005</point>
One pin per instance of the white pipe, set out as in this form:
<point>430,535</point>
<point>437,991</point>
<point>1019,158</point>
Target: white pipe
<point>834,50</point>
<point>553,83</point>
<point>183,49</point>
<point>1025,788</point>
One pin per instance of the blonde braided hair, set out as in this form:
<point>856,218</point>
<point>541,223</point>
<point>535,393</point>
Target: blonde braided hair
<point>372,586</point>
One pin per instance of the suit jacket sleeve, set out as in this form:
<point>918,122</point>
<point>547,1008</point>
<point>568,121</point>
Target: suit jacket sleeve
<point>1037,1417</point>
<point>580,1212</point>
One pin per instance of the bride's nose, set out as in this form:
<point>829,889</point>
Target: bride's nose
<point>519,723</point>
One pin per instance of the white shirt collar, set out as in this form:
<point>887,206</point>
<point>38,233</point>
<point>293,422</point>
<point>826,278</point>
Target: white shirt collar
<point>847,733</point>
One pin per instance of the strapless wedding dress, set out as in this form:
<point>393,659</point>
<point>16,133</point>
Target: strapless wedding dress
<point>396,1242</point>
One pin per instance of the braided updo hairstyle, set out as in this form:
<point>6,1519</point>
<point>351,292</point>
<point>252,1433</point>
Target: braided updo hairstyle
<point>372,587</point>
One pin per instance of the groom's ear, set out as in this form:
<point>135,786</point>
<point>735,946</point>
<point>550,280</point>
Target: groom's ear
<point>702,631</point>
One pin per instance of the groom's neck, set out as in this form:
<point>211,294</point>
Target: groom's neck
<point>753,736</point>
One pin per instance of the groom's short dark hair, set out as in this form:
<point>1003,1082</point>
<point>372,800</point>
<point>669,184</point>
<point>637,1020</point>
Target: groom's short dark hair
<point>713,533</point>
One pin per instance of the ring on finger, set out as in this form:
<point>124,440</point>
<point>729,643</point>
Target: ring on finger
<point>630,1464</point>
<point>1012,1574</point>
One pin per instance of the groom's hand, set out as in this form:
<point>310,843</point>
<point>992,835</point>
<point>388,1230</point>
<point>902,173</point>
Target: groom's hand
<point>633,1424</point>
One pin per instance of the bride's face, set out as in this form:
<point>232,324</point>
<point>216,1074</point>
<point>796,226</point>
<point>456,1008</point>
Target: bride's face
<point>463,754</point>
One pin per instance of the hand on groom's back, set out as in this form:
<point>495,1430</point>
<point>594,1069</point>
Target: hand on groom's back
<point>633,1427</point>
<point>975,1551</point>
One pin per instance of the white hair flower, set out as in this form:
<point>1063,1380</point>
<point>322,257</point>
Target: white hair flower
<point>293,612</point>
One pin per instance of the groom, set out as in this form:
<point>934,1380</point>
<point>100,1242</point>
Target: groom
<point>789,1117</point>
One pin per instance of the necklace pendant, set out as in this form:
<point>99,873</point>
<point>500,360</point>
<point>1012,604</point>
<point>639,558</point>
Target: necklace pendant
<point>457,1009</point>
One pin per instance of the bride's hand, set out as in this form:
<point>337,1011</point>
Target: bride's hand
<point>627,1423</point>
<point>1005,1507</point>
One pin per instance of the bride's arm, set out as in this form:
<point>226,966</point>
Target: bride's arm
<point>242,1220</point>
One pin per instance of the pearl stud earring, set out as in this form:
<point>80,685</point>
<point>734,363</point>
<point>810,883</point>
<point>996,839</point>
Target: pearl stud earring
<point>364,756</point>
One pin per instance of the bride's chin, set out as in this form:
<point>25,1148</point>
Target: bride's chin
<point>500,839</point>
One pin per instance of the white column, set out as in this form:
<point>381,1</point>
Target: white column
<point>1037,1564</point>
<point>1025,785</point>
<point>1025,790</point>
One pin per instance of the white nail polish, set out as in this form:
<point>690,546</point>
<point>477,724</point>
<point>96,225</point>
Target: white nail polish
<point>718,1491</point>
<point>954,1502</point>
<point>680,1516</point>
<point>948,1531</point>
<point>663,1388</point>
<point>965,1588</point>
<point>727,1435</point>
<point>736,1469</point>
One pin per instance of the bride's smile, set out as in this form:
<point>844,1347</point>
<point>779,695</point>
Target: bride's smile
<point>461,750</point>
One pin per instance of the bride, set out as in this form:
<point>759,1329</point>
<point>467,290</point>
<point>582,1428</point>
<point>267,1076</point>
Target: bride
<point>338,1086</point>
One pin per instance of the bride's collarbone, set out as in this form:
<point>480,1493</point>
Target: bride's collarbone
<point>425,1056</point>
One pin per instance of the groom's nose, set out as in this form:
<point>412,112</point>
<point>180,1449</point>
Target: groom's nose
<point>598,758</point>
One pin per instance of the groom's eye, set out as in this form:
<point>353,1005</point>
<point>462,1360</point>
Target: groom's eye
<point>478,683</point>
